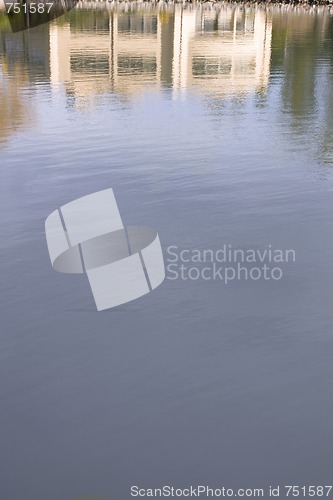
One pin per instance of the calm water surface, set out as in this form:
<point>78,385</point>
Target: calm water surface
<point>215,126</point>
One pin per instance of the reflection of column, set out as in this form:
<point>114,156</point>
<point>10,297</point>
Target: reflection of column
<point>177,47</point>
<point>60,64</point>
<point>185,22</point>
<point>167,34</point>
<point>113,60</point>
<point>159,51</point>
<point>263,42</point>
<point>234,52</point>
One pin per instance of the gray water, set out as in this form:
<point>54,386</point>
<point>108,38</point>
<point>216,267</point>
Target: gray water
<point>213,125</point>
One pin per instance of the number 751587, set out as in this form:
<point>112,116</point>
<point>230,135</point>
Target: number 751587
<point>31,8</point>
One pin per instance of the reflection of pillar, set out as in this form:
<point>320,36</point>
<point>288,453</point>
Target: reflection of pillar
<point>113,59</point>
<point>60,61</point>
<point>185,22</point>
<point>177,47</point>
<point>263,42</point>
<point>167,33</point>
<point>234,41</point>
<point>159,51</point>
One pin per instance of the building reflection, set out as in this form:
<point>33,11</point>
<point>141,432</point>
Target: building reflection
<point>217,51</point>
<point>220,53</point>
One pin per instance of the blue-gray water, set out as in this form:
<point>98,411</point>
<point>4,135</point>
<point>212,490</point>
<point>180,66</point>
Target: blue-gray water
<point>214,126</point>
